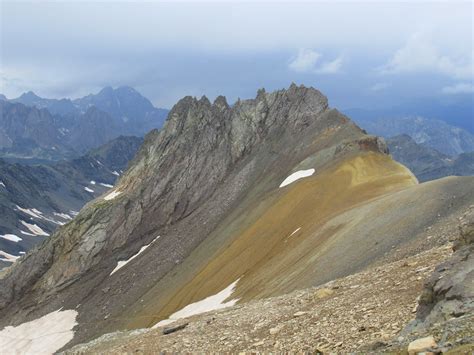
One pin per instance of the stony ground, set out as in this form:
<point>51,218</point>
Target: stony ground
<point>356,313</point>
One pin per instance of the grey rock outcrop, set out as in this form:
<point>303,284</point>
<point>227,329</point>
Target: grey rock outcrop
<point>449,292</point>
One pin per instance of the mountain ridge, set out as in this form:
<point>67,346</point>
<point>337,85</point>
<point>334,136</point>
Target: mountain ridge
<point>201,204</point>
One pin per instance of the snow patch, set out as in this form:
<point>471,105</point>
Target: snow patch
<point>87,189</point>
<point>35,229</point>
<point>33,212</point>
<point>10,259</point>
<point>107,185</point>
<point>11,237</point>
<point>296,176</point>
<point>112,195</point>
<point>295,231</point>
<point>207,304</point>
<point>62,215</point>
<point>122,263</point>
<point>44,335</point>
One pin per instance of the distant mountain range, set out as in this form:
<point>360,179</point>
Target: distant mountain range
<point>33,128</point>
<point>455,110</point>
<point>124,104</point>
<point>445,138</point>
<point>427,163</point>
<point>35,200</point>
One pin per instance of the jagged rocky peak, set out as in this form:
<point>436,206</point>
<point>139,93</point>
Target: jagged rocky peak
<point>230,132</point>
<point>292,107</point>
<point>30,94</point>
<point>221,103</point>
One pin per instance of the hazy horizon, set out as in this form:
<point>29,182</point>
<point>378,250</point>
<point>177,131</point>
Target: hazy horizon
<point>358,54</point>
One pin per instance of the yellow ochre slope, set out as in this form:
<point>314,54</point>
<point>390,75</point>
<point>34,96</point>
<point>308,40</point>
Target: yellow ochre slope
<point>276,252</point>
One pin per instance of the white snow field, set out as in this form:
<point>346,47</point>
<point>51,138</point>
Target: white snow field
<point>44,335</point>
<point>296,176</point>
<point>33,212</point>
<point>122,263</point>
<point>207,304</point>
<point>11,237</point>
<point>62,215</point>
<point>4,256</point>
<point>35,229</point>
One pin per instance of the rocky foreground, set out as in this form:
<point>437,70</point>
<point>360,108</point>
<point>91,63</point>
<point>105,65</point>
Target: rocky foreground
<point>377,310</point>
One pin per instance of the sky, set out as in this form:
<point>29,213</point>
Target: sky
<point>359,54</point>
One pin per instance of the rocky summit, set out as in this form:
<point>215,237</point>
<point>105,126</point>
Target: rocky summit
<point>236,206</point>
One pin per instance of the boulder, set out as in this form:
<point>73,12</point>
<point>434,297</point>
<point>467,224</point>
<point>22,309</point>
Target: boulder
<point>421,345</point>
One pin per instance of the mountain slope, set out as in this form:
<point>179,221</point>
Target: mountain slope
<point>426,163</point>
<point>35,200</point>
<point>202,209</point>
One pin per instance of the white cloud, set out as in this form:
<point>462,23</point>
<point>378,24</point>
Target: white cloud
<point>380,86</point>
<point>307,61</point>
<point>330,67</point>
<point>420,54</point>
<point>459,88</point>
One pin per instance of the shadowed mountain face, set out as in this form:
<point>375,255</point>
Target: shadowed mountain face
<point>30,132</point>
<point>124,104</point>
<point>34,129</point>
<point>427,163</point>
<point>268,196</point>
<point>35,200</point>
<point>127,105</point>
<point>432,133</point>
